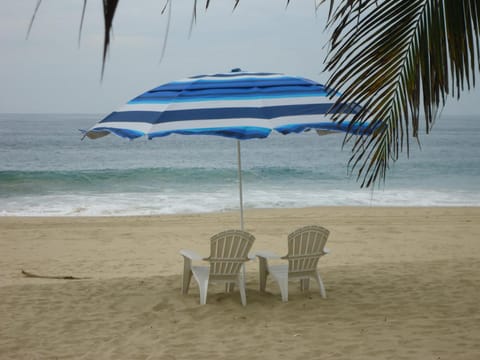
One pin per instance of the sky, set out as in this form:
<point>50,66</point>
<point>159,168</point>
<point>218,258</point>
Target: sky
<point>50,72</point>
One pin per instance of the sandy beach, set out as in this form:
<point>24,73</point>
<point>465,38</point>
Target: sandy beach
<point>402,283</point>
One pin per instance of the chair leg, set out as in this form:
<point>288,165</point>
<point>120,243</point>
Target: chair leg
<point>243,295</point>
<point>284,289</point>
<point>283,285</point>
<point>241,286</point>
<point>305,284</point>
<point>203,287</point>
<point>320,285</point>
<point>187,275</point>
<point>263,272</point>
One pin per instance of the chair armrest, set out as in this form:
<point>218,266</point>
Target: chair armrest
<point>267,255</point>
<point>190,254</point>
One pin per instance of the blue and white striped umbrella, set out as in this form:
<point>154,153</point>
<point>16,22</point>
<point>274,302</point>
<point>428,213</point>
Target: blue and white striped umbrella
<point>238,104</point>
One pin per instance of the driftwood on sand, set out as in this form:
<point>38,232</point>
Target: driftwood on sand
<point>68,277</point>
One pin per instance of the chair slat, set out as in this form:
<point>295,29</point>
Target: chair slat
<point>229,251</point>
<point>305,247</point>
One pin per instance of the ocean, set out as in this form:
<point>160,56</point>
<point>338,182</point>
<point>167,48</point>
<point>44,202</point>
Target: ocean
<point>46,169</point>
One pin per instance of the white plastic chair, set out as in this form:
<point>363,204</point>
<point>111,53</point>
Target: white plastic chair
<point>305,247</point>
<point>228,254</point>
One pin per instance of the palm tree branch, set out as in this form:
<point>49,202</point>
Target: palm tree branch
<point>390,56</point>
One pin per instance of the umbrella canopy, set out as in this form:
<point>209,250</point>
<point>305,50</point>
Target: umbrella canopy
<point>238,104</point>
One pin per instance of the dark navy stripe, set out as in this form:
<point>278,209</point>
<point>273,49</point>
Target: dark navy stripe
<point>269,112</point>
<point>284,91</point>
<point>253,89</point>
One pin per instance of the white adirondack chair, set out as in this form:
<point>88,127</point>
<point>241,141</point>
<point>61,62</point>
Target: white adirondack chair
<point>228,254</point>
<point>305,247</point>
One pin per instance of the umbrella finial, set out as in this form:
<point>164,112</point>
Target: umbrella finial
<point>236,70</point>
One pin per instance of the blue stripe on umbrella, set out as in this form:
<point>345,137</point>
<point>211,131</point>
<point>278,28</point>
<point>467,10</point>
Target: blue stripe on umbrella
<point>329,126</point>
<point>239,132</point>
<point>238,83</point>
<point>269,112</point>
<point>230,94</point>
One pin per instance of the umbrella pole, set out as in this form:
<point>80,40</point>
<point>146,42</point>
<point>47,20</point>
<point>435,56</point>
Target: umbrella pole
<point>239,161</point>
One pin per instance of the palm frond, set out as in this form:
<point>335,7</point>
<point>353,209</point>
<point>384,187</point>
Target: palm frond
<point>109,7</point>
<point>81,21</point>
<point>397,58</point>
<point>39,2</point>
<point>168,5</point>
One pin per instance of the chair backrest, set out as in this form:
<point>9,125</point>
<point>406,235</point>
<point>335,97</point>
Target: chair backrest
<point>228,251</point>
<point>305,246</point>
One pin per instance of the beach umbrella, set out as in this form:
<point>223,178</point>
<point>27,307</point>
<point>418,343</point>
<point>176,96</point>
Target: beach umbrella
<point>239,105</point>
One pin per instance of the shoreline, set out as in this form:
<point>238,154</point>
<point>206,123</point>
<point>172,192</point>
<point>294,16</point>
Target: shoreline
<point>267,209</point>
<point>361,206</point>
<point>121,214</point>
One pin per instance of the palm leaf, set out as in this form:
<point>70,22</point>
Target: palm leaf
<point>109,7</point>
<point>39,2</point>
<point>81,21</point>
<point>399,58</point>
